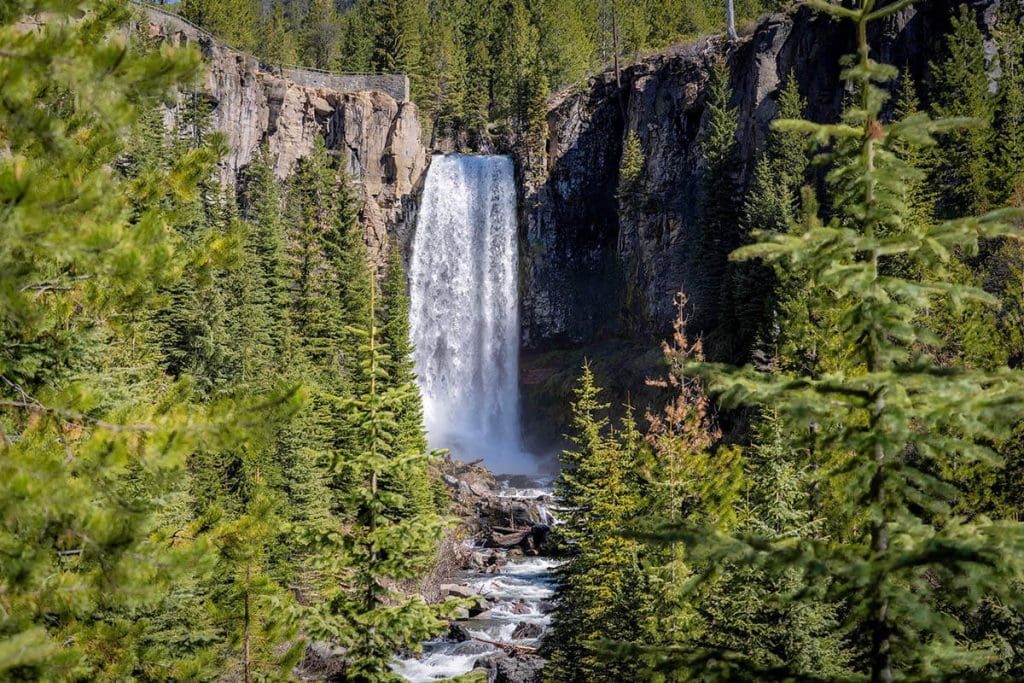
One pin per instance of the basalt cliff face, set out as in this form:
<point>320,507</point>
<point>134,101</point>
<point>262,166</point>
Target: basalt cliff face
<point>591,272</point>
<point>369,124</point>
<point>598,282</point>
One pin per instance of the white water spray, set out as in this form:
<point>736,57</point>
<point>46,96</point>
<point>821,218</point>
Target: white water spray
<point>465,310</point>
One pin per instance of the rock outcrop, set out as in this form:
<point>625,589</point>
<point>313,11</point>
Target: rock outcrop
<point>376,135</point>
<point>589,274</point>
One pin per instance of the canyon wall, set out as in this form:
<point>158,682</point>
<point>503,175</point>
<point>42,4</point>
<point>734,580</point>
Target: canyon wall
<point>598,283</point>
<point>590,274</point>
<point>368,121</point>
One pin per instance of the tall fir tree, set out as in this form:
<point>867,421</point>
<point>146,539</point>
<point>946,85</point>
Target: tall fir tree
<point>897,426</point>
<point>688,480</point>
<point>963,170</point>
<point>719,207</point>
<point>598,597</point>
<point>373,619</point>
<point>89,449</point>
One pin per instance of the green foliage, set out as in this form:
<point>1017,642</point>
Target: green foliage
<point>382,546</point>
<point>278,43</point>
<point>318,35</point>
<point>688,480</point>
<point>166,484</point>
<point>963,168</point>
<point>1009,117</point>
<point>602,586</point>
<point>631,168</point>
<point>757,611</point>
<point>896,426</point>
<point>91,434</point>
<point>471,63</point>
<point>235,21</point>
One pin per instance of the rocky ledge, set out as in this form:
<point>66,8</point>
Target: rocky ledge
<point>377,136</point>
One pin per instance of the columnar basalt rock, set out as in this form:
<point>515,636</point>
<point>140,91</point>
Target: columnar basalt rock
<point>591,272</point>
<point>376,135</point>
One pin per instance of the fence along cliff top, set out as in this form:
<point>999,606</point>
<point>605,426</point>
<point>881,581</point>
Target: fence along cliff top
<point>395,85</point>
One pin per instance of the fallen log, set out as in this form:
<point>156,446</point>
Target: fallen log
<point>508,647</point>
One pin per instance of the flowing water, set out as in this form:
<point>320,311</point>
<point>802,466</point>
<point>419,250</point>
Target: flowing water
<point>464,323</point>
<point>518,596</point>
<point>464,312</point>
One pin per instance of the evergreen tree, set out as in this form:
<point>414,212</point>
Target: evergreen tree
<point>597,597</point>
<point>515,43</point>
<point>754,612</point>
<point>84,251</point>
<point>234,21</point>
<point>396,40</point>
<point>398,363</point>
<point>266,246</point>
<point>897,427</point>
<point>688,482</point>
<point>1009,117</point>
<point>372,619</point>
<point>256,614</point>
<point>318,38</point>
<point>278,44</point>
<point>631,167</point>
<point>315,309</point>
<point>963,169</point>
<point>719,207</point>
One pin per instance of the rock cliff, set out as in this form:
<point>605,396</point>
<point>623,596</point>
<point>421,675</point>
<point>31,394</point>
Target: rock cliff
<point>597,282</point>
<point>377,135</point>
<point>589,274</point>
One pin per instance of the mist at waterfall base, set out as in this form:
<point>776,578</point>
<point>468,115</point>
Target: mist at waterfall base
<point>464,311</point>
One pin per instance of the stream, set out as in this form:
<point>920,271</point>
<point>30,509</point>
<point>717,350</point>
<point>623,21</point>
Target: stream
<point>516,594</point>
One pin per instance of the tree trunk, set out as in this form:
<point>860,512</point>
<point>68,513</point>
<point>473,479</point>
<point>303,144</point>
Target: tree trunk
<point>615,46</point>
<point>247,654</point>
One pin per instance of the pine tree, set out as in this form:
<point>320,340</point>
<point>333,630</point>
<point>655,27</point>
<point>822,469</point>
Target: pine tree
<point>597,595</point>
<point>266,245</point>
<point>316,307</point>
<point>753,611</point>
<point>770,204</point>
<point>257,615</point>
<point>719,207</point>
<point>84,252</point>
<point>398,363</point>
<point>318,38</point>
<point>688,482</point>
<point>278,44</point>
<point>1009,115</point>
<point>396,41</point>
<point>631,168</point>
<point>234,21</point>
<point>515,41</point>
<point>897,427</point>
<point>372,619</point>
<point>963,170</point>
<point>533,122</point>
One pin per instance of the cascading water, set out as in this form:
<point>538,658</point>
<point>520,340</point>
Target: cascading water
<point>464,320</point>
<point>464,310</point>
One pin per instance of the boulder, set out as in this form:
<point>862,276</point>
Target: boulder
<point>505,668</point>
<point>527,629</point>
<point>504,538</point>
<point>458,633</point>
<point>520,607</point>
<point>482,606</point>
<point>454,590</point>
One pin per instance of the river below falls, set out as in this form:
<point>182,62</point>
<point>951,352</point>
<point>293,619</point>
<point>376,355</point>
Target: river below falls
<point>518,599</point>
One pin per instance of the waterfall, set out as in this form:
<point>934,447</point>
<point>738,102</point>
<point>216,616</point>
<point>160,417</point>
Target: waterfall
<point>464,314</point>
